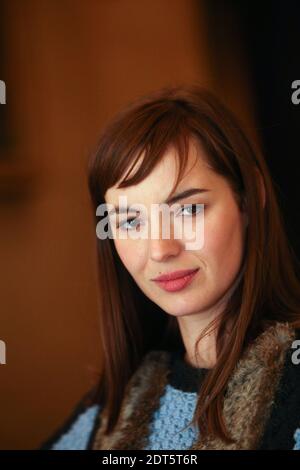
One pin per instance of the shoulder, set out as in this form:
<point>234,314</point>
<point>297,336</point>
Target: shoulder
<point>77,436</point>
<point>283,428</point>
<point>77,429</point>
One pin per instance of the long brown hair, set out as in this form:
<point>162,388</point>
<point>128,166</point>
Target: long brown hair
<point>268,290</point>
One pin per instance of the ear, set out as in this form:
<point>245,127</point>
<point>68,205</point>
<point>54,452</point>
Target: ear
<point>262,187</point>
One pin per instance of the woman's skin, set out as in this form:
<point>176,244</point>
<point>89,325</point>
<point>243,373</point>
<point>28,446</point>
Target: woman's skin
<point>219,259</point>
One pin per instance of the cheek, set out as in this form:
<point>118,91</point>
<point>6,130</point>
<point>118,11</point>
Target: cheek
<point>132,254</point>
<point>223,242</point>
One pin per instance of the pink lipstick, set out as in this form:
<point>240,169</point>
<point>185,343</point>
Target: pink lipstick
<point>177,280</point>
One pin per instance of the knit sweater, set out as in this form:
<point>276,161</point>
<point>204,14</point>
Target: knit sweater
<point>175,412</point>
<point>168,425</point>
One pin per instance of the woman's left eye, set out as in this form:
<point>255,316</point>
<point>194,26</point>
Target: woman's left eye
<point>198,208</point>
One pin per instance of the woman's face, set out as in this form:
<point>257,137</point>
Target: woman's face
<point>218,259</point>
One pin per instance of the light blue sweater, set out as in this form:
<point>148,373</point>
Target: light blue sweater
<point>177,406</point>
<point>175,411</point>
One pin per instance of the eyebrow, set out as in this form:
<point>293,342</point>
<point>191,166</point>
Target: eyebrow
<point>170,200</point>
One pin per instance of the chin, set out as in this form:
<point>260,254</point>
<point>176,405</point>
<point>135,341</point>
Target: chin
<point>180,310</point>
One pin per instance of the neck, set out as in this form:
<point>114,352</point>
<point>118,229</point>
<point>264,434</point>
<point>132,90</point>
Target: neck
<point>206,353</point>
<point>191,327</point>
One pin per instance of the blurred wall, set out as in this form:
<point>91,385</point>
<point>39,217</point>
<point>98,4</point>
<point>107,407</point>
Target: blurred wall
<point>68,67</point>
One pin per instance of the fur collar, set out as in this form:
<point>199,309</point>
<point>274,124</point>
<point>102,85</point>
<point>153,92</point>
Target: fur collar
<point>247,402</point>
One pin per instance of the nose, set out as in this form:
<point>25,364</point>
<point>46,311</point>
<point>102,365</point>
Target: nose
<point>161,248</point>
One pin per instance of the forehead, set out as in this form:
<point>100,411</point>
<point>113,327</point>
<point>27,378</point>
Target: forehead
<point>159,183</point>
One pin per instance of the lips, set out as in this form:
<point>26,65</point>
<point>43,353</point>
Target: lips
<point>174,275</point>
<point>177,280</point>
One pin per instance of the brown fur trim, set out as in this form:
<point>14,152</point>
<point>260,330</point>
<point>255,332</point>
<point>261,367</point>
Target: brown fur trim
<point>251,389</point>
<point>141,398</point>
<point>247,402</point>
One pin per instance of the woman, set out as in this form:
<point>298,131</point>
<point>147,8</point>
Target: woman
<point>199,339</point>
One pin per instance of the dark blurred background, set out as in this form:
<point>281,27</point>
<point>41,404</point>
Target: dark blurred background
<point>69,66</point>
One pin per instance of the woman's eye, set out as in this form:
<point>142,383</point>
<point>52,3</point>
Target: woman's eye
<point>192,209</point>
<point>123,224</point>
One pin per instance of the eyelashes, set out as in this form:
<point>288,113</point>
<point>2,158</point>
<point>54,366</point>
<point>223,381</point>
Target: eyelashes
<point>198,209</point>
<point>121,225</point>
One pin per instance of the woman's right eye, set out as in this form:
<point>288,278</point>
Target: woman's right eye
<point>123,224</point>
